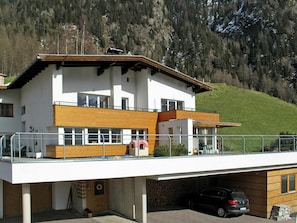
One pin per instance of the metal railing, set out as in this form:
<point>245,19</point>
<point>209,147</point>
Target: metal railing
<point>131,108</point>
<point>34,145</point>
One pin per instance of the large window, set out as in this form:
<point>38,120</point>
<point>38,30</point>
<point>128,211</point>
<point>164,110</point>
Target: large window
<point>169,105</point>
<point>89,100</point>
<point>6,110</point>
<point>288,183</point>
<point>104,135</point>
<point>73,136</point>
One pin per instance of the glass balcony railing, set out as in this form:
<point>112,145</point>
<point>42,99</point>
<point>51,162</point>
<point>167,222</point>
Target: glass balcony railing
<point>26,145</point>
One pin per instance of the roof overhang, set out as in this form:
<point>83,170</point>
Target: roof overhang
<point>103,62</point>
<point>210,124</point>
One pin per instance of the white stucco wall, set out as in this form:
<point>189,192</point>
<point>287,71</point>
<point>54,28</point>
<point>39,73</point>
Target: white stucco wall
<point>60,195</point>
<point>182,131</point>
<point>142,89</point>
<point>72,80</point>
<point>161,86</point>
<point>36,96</point>
<point>11,124</point>
<point>129,87</point>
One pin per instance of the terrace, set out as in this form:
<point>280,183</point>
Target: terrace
<point>25,146</point>
<point>237,154</point>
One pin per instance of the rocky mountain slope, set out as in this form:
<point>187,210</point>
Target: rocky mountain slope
<point>246,43</point>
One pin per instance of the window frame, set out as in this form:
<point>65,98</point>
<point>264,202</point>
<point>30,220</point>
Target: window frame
<point>93,100</point>
<point>288,183</point>
<point>6,110</point>
<point>171,105</point>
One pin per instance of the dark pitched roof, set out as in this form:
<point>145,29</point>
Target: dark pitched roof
<point>103,62</point>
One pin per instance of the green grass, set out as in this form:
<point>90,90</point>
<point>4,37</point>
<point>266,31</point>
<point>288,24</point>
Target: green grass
<point>9,79</point>
<point>259,113</point>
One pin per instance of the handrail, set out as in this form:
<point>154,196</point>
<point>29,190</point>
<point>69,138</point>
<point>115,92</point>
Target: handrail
<point>212,144</point>
<point>2,144</point>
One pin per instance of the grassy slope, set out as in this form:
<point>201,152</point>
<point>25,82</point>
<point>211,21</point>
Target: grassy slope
<point>259,113</point>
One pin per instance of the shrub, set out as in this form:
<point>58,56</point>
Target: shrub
<point>176,150</point>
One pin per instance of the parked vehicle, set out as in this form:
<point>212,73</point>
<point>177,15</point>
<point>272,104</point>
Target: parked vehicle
<point>222,201</point>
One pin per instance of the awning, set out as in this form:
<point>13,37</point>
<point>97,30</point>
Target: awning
<point>210,124</point>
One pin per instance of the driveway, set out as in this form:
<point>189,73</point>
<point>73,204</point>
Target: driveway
<point>190,216</point>
<point>170,216</point>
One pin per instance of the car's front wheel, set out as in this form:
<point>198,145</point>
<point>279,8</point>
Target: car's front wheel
<point>221,212</point>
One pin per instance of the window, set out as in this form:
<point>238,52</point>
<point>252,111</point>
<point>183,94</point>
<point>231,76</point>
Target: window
<point>93,135</point>
<point>125,104</point>
<point>104,102</point>
<point>68,136</point>
<point>78,136</point>
<point>6,110</point>
<point>104,135</point>
<point>116,136</point>
<point>88,100</point>
<point>169,105</point>
<point>23,110</point>
<point>139,134</point>
<point>288,183</point>
<point>73,136</point>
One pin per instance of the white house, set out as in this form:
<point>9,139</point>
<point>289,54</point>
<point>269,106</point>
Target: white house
<point>80,106</point>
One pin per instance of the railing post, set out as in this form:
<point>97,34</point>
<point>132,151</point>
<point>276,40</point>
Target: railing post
<point>138,145</point>
<point>169,145</point>
<point>11,147</point>
<point>103,146</point>
<point>244,143</point>
<point>262,144</point>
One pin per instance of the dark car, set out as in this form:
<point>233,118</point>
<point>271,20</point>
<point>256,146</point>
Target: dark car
<point>222,201</point>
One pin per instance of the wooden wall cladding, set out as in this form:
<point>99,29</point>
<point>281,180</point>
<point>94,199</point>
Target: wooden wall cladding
<point>179,114</point>
<point>275,197</point>
<point>104,118</point>
<point>97,195</point>
<point>85,151</point>
<point>254,186</point>
<point>41,198</point>
<point>53,151</point>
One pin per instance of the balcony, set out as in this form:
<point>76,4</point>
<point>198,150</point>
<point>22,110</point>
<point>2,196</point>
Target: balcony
<point>21,145</point>
<point>232,154</point>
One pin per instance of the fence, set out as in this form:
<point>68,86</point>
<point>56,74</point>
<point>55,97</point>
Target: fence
<point>80,145</point>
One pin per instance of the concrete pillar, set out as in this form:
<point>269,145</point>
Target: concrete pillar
<point>60,195</point>
<point>26,195</point>
<point>140,200</point>
<point>1,199</point>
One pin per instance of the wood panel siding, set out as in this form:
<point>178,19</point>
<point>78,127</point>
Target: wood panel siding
<point>104,118</point>
<point>55,151</point>
<point>254,186</point>
<point>97,202</point>
<point>41,198</point>
<point>179,114</point>
<point>274,194</point>
<point>85,151</point>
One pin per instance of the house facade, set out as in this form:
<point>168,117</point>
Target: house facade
<point>72,126</point>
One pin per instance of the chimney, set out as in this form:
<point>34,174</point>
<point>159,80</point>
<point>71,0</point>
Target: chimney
<point>2,77</point>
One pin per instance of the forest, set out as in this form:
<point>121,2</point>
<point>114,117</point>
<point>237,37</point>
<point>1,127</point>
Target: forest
<point>245,43</point>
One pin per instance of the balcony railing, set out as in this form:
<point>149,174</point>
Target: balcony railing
<point>21,145</point>
<point>65,103</point>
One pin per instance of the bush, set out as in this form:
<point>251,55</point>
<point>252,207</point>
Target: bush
<point>176,150</point>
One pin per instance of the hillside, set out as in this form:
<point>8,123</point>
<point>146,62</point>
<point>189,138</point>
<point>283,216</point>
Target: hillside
<point>250,44</point>
<point>259,113</point>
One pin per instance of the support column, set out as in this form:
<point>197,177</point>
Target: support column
<point>1,199</point>
<point>26,195</point>
<point>140,200</point>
